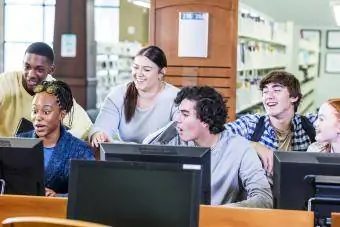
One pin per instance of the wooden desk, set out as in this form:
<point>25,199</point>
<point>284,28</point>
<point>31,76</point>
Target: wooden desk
<point>246,217</point>
<point>335,219</point>
<point>14,206</point>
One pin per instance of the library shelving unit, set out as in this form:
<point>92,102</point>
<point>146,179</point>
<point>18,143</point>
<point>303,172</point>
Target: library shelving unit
<point>304,63</point>
<point>262,47</point>
<point>308,60</point>
<point>114,62</point>
<point>265,45</point>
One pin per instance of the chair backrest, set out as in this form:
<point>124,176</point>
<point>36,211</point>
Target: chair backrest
<point>92,113</point>
<point>24,125</point>
<point>335,219</point>
<point>46,222</point>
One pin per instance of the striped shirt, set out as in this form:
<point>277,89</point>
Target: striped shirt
<point>245,126</point>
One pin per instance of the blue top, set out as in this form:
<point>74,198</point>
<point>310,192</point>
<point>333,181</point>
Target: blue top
<point>57,169</point>
<point>47,155</point>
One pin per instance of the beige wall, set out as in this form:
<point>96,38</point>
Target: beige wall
<point>131,15</point>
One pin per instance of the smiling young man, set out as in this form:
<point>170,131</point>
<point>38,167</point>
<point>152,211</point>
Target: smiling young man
<point>16,92</point>
<point>281,128</point>
<point>237,177</point>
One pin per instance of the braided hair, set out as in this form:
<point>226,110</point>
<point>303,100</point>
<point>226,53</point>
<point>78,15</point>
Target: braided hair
<point>62,92</point>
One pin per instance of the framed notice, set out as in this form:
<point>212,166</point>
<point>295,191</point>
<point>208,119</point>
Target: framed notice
<point>193,34</point>
<point>332,64</point>
<point>68,45</point>
<point>333,39</point>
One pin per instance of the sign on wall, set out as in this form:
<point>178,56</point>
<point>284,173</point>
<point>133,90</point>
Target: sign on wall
<point>193,34</point>
<point>68,45</point>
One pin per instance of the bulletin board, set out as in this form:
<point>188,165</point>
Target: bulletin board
<point>332,64</point>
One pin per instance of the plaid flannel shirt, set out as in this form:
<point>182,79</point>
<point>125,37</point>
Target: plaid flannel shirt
<point>245,126</point>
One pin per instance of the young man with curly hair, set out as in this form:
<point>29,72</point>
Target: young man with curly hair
<point>236,170</point>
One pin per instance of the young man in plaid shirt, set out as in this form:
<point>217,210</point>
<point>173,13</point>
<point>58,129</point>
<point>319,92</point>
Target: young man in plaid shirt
<point>281,128</point>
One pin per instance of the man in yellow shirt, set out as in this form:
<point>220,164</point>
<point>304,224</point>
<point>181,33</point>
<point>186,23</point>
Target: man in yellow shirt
<point>16,93</point>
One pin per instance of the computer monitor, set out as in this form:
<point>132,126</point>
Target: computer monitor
<point>290,190</point>
<point>124,194</point>
<point>196,157</point>
<point>22,166</point>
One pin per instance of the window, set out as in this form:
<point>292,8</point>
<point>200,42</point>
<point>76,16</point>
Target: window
<point>33,20</point>
<point>106,21</point>
<point>25,22</point>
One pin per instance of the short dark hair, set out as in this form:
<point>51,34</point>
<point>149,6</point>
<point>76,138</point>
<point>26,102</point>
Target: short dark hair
<point>210,106</point>
<point>42,49</point>
<point>61,91</point>
<point>286,79</point>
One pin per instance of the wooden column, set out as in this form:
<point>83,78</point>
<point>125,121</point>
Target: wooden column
<point>76,17</point>
<point>219,68</point>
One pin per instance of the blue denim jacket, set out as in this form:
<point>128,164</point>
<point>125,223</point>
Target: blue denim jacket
<point>58,168</point>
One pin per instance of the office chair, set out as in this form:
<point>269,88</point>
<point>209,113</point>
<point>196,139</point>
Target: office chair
<point>46,222</point>
<point>92,113</point>
<point>24,126</point>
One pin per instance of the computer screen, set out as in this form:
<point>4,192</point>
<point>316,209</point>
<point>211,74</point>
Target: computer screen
<point>22,166</point>
<point>195,157</point>
<point>124,194</point>
<point>290,190</point>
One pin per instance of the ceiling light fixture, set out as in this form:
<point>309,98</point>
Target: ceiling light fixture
<point>336,11</point>
<point>142,3</point>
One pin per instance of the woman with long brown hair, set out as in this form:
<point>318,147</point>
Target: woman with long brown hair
<point>134,110</point>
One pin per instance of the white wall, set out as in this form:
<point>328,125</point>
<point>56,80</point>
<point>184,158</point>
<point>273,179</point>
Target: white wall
<point>327,85</point>
<point>302,12</point>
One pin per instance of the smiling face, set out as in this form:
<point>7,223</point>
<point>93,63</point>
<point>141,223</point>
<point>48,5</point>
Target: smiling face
<point>327,125</point>
<point>189,127</point>
<point>36,69</point>
<point>146,74</point>
<point>46,114</point>
<point>276,100</point>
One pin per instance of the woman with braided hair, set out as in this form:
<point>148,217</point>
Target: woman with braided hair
<point>53,100</point>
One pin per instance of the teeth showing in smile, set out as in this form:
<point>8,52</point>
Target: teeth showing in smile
<point>270,104</point>
<point>140,80</point>
<point>32,82</point>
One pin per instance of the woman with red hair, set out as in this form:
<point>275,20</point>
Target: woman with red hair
<point>327,128</point>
